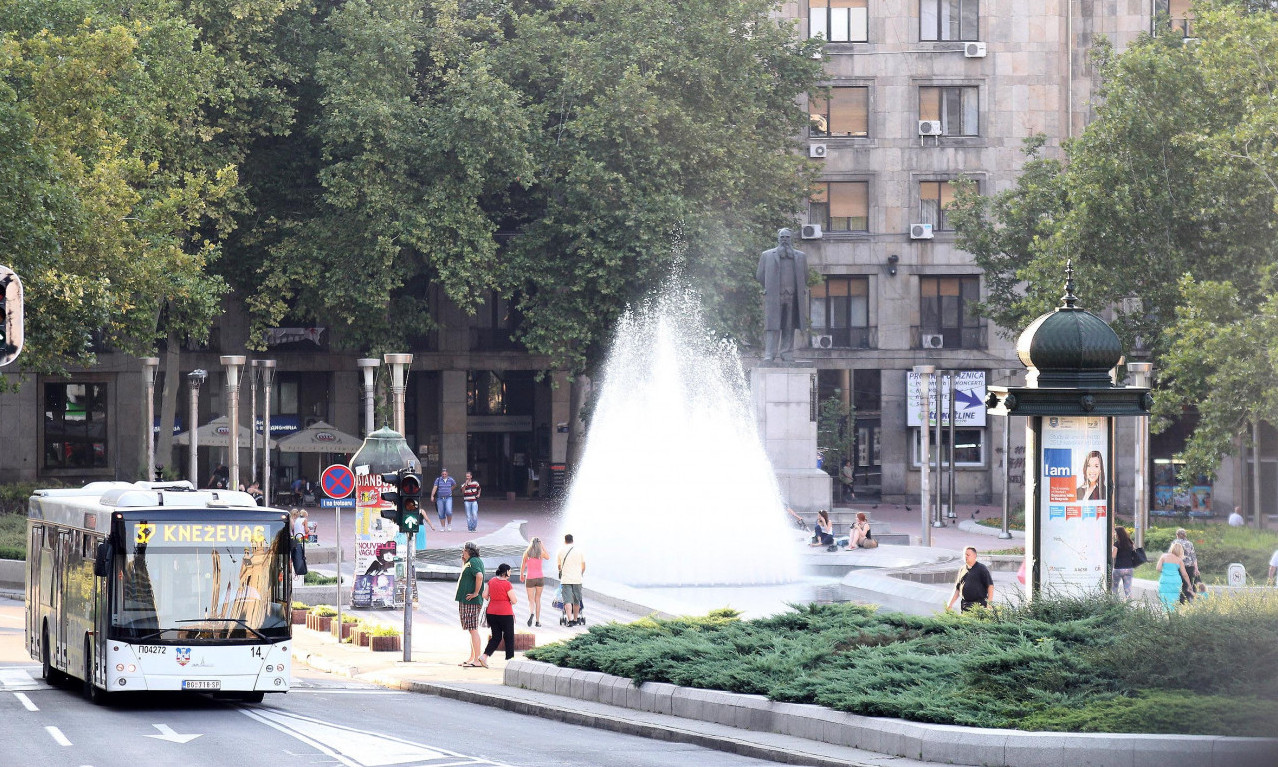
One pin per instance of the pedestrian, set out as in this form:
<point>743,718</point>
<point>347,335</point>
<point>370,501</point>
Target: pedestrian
<point>500,614</point>
<point>846,477</point>
<point>297,551</point>
<point>470,597</point>
<point>572,569</point>
<point>531,573</point>
<point>441,494</point>
<point>1191,565</point>
<point>221,479</point>
<point>300,529</point>
<point>859,535</point>
<point>1172,575</point>
<point>470,491</point>
<point>1273,569</point>
<point>975,585</point>
<point>255,490</point>
<point>823,534</point>
<point>1124,563</point>
<point>1236,518</point>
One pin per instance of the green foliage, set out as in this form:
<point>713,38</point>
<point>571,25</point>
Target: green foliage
<point>1216,546</point>
<point>1027,667</point>
<point>313,578</point>
<point>836,434</point>
<point>384,630</point>
<point>324,611</point>
<point>1159,711</point>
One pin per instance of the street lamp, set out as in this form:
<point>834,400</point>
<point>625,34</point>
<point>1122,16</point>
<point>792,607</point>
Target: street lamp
<point>233,363</point>
<point>399,364</point>
<point>266,371</point>
<point>252,371</point>
<point>1142,374</point>
<point>368,366</point>
<point>194,380</point>
<point>150,366</point>
<point>925,372</point>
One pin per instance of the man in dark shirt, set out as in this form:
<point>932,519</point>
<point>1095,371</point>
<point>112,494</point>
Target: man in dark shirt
<point>975,585</point>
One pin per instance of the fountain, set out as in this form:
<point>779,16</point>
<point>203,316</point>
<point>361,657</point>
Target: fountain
<point>674,487</point>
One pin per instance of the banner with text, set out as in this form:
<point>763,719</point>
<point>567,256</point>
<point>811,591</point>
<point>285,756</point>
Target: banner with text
<point>969,399</point>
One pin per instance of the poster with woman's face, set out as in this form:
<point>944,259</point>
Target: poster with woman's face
<point>1073,507</point>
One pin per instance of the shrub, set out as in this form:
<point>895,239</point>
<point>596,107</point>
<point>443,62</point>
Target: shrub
<point>384,630</point>
<point>1162,711</point>
<point>301,606</point>
<point>313,578</point>
<point>324,611</point>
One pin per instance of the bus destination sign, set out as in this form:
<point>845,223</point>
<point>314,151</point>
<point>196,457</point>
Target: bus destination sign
<point>181,533</point>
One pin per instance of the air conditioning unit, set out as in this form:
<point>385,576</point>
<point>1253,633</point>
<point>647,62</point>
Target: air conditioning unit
<point>822,342</point>
<point>810,232</point>
<point>817,150</point>
<point>933,341</point>
<point>929,127</point>
<point>974,50</point>
<point>920,231</point>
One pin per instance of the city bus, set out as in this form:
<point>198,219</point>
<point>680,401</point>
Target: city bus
<point>150,586</point>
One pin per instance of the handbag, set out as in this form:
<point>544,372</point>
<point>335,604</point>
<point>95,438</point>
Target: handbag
<point>557,601</point>
<point>1138,556</point>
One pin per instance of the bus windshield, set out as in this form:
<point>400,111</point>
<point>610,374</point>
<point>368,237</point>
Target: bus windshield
<point>189,582</point>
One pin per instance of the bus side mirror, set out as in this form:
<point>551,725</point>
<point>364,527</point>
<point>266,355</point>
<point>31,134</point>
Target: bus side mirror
<point>102,562</point>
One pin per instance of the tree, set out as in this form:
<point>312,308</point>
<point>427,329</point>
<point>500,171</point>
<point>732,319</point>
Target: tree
<point>1165,201</point>
<point>836,435</point>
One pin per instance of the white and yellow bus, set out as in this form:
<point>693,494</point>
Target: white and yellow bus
<point>155,586</point>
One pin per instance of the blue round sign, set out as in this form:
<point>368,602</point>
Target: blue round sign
<point>337,481</point>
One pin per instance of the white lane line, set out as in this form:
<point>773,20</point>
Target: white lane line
<point>25,701</point>
<point>57,735</point>
<point>339,691</point>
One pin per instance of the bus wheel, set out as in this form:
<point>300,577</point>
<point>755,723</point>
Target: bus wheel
<point>253,697</point>
<point>50,674</point>
<point>92,692</point>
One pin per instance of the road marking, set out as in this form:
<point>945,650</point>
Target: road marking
<point>57,735</point>
<point>342,691</point>
<point>17,679</point>
<point>167,733</point>
<point>359,748</point>
<point>25,701</point>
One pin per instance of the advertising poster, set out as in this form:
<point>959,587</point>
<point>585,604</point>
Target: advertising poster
<point>375,545</point>
<point>969,399</point>
<point>1074,504</point>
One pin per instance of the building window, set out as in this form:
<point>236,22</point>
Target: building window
<point>838,21</point>
<point>1174,15</point>
<point>844,112</point>
<point>841,206</point>
<point>969,446</point>
<point>947,307</point>
<point>75,426</point>
<point>955,107</point>
<point>935,199</point>
<point>841,309</point>
<point>949,20</point>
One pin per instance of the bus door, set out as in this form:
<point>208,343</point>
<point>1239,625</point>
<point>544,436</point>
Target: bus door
<point>62,560</point>
<point>35,596</point>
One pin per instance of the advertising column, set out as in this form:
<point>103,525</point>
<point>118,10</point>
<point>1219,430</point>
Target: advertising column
<point>1074,498</point>
<point>376,563</point>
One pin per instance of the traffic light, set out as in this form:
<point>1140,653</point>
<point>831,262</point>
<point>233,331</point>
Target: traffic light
<point>392,496</point>
<point>410,501</point>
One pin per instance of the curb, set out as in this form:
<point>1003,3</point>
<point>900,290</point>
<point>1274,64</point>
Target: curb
<point>968,526</point>
<point>896,737</point>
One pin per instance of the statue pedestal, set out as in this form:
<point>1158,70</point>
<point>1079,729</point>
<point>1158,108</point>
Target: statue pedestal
<point>784,398</point>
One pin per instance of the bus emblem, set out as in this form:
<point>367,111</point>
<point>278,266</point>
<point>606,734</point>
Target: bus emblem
<point>183,655</point>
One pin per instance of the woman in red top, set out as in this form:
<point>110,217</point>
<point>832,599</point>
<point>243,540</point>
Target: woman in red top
<point>500,614</point>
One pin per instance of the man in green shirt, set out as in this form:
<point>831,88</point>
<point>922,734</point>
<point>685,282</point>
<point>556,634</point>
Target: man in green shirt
<point>470,590</point>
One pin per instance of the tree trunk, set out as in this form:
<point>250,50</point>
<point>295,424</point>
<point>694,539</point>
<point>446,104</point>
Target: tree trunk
<point>164,458</point>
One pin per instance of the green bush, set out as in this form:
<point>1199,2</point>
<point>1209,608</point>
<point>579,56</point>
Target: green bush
<point>315,579</point>
<point>13,536</point>
<point>1162,711</point>
<point>1053,664</point>
<point>324,611</point>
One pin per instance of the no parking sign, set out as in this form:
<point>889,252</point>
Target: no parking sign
<point>337,481</point>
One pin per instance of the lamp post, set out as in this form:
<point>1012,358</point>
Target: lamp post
<point>1142,374</point>
<point>941,378</point>
<point>150,366</point>
<point>368,366</point>
<point>194,380</point>
<point>399,364</point>
<point>266,371</point>
<point>233,363</point>
<point>252,371</point>
<point>924,372</point>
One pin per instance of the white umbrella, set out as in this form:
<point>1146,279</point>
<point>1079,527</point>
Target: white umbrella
<point>319,437</point>
<point>217,433</point>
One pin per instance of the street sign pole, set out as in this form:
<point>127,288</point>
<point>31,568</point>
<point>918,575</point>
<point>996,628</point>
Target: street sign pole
<point>408,597</point>
<point>337,482</point>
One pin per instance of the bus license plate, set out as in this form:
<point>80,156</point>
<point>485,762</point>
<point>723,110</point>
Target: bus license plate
<point>201,684</point>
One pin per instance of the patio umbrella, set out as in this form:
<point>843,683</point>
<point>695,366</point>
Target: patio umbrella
<point>319,437</point>
<point>217,433</point>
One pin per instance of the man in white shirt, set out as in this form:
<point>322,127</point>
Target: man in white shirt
<point>1236,519</point>
<point>1273,568</point>
<point>572,567</point>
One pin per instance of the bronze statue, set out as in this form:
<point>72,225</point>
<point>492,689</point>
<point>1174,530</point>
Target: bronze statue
<point>783,272</point>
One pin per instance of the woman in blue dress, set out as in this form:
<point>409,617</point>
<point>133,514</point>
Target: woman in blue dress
<point>1171,568</point>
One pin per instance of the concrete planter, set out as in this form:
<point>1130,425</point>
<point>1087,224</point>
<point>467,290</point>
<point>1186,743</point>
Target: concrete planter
<point>360,636</point>
<point>319,622</point>
<point>299,617</point>
<point>347,628</point>
<point>384,644</point>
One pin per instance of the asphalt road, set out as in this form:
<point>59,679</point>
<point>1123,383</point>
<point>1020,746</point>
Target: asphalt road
<point>323,721</point>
